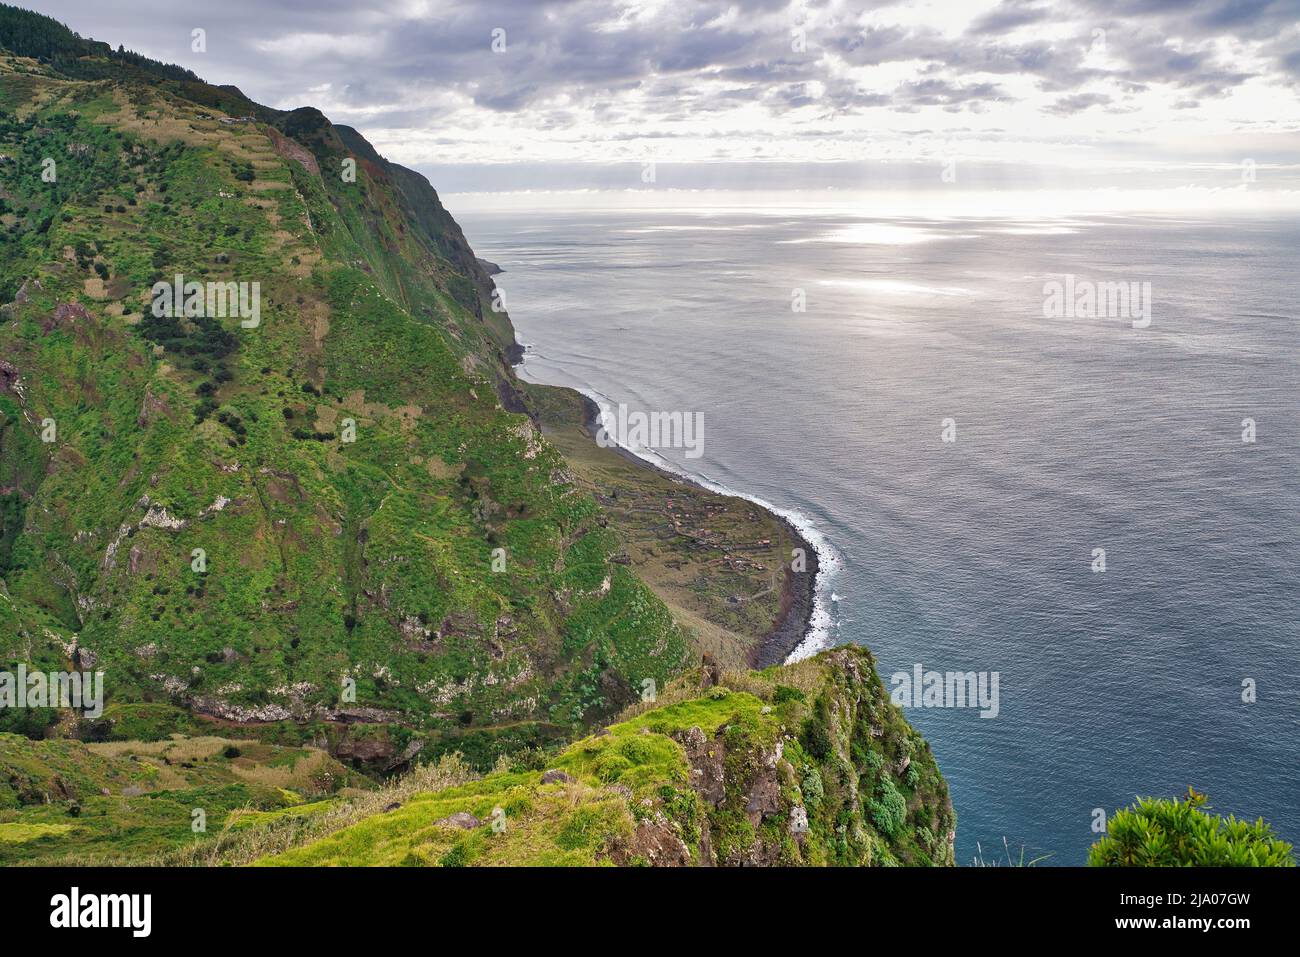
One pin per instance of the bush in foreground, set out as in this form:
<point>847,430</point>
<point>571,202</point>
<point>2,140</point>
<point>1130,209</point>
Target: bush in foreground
<point>1157,832</point>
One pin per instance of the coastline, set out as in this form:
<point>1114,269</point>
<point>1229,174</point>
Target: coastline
<point>802,626</point>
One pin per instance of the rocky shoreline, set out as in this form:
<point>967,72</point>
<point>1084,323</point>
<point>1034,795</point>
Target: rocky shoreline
<point>797,602</point>
<point>799,589</point>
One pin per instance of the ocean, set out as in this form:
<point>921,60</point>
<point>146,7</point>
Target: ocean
<point>1071,501</point>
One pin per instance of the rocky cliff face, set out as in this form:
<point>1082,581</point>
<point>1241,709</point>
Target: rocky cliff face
<point>807,764</point>
<point>828,775</point>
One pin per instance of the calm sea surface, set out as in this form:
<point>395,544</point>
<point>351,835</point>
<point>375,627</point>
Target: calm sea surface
<point>977,555</point>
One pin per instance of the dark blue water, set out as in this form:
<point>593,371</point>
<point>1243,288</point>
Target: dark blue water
<point>977,555</point>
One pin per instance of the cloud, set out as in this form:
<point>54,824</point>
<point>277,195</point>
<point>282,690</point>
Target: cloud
<point>576,81</point>
<point>1069,105</point>
<point>1009,15</point>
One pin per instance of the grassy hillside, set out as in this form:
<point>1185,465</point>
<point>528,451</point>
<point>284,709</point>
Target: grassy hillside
<point>66,802</point>
<point>340,535</point>
<point>806,764</point>
<point>721,564</point>
<point>442,564</point>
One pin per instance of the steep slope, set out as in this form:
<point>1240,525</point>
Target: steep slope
<point>807,764</point>
<point>202,525</point>
<point>313,505</point>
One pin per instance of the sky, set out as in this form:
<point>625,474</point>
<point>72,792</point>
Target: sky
<point>766,94</point>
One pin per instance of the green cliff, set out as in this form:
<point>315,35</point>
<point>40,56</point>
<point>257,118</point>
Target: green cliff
<point>336,524</point>
<point>384,537</point>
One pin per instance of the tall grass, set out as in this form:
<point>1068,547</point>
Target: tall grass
<point>1006,858</point>
<point>238,847</point>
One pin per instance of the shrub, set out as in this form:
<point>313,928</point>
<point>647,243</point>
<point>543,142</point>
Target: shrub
<point>1157,832</point>
<point>887,808</point>
<point>816,736</point>
<point>811,787</point>
<point>786,693</point>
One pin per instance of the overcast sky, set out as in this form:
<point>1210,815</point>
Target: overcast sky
<point>764,93</point>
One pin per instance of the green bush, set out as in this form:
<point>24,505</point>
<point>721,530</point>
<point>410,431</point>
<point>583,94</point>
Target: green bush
<point>785,693</point>
<point>887,808</point>
<point>812,789</point>
<point>873,761</point>
<point>816,736</point>
<point>1157,832</point>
